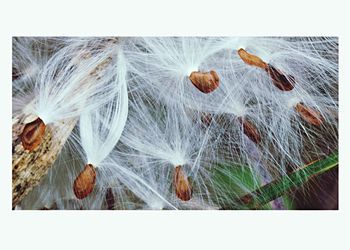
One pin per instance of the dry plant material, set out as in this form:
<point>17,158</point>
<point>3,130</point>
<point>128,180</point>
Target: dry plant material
<point>279,79</point>
<point>33,134</point>
<point>183,188</point>
<point>252,59</point>
<point>250,130</point>
<point>309,115</point>
<point>205,82</point>
<point>85,182</point>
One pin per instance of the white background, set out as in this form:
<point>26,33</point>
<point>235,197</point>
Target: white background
<point>170,229</point>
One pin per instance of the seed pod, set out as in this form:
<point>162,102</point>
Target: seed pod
<point>251,59</point>
<point>183,188</point>
<point>280,80</point>
<point>205,82</point>
<point>85,182</point>
<point>309,115</point>
<point>33,134</point>
<point>250,130</point>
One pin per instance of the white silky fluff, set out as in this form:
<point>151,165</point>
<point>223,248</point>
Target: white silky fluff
<point>101,129</point>
<point>136,145</point>
<point>165,137</point>
<point>29,55</point>
<point>76,80</point>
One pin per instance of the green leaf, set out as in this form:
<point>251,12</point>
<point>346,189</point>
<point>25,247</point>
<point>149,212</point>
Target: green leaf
<point>233,181</point>
<point>269,192</point>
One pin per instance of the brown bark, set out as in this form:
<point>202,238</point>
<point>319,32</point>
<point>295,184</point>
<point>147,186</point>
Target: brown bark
<point>28,167</point>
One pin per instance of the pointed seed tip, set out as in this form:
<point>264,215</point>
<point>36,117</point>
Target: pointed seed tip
<point>251,59</point>
<point>183,188</point>
<point>33,134</point>
<point>309,115</point>
<point>84,183</point>
<point>250,130</point>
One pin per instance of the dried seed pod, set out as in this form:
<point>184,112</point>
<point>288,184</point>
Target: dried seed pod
<point>85,182</point>
<point>250,130</point>
<point>251,59</point>
<point>205,82</point>
<point>183,188</point>
<point>33,134</point>
<point>280,80</point>
<point>309,115</point>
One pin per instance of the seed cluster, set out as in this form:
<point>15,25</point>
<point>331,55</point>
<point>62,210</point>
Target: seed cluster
<point>184,113</point>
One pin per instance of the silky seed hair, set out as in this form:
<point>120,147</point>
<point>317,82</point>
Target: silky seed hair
<point>261,119</point>
<point>77,74</point>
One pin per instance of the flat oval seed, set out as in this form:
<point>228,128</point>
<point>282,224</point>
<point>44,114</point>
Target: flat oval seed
<point>85,182</point>
<point>280,80</point>
<point>251,59</point>
<point>205,82</point>
<point>308,114</point>
<point>250,130</point>
<point>183,188</point>
<point>33,134</point>
<point>109,199</point>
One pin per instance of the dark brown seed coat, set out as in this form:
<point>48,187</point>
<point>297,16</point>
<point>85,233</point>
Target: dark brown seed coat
<point>85,182</point>
<point>309,115</point>
<point>250,130</point>
<point>280,80</point>
<point>205,82</point>
<point>33,134</point>
<point>183,188</point>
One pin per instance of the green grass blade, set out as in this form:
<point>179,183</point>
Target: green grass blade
<point>269,192</point>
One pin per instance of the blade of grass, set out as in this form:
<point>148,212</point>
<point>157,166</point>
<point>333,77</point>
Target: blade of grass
<point>269,192</point>
<point>232,182</point>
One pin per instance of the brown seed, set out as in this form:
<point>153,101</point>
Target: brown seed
<point>252,59</point>
<point>309,115</point>
<point>250,130</point>
<point>280,80</point>
<point>183,188</point>
<point>205,82</point>
<point>109,199</point>
<point>85,182</point>
<point>33,134</point>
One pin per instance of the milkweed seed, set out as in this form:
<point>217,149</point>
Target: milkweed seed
<point>183,188</point>
<point>280,80</point>
<point>33,134</point>
<point>309,115</point>
<point>252,59</point>
<point>85,182</point>
<point>109,199</point>
<point>250,130</point>
<point>205,82</point>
